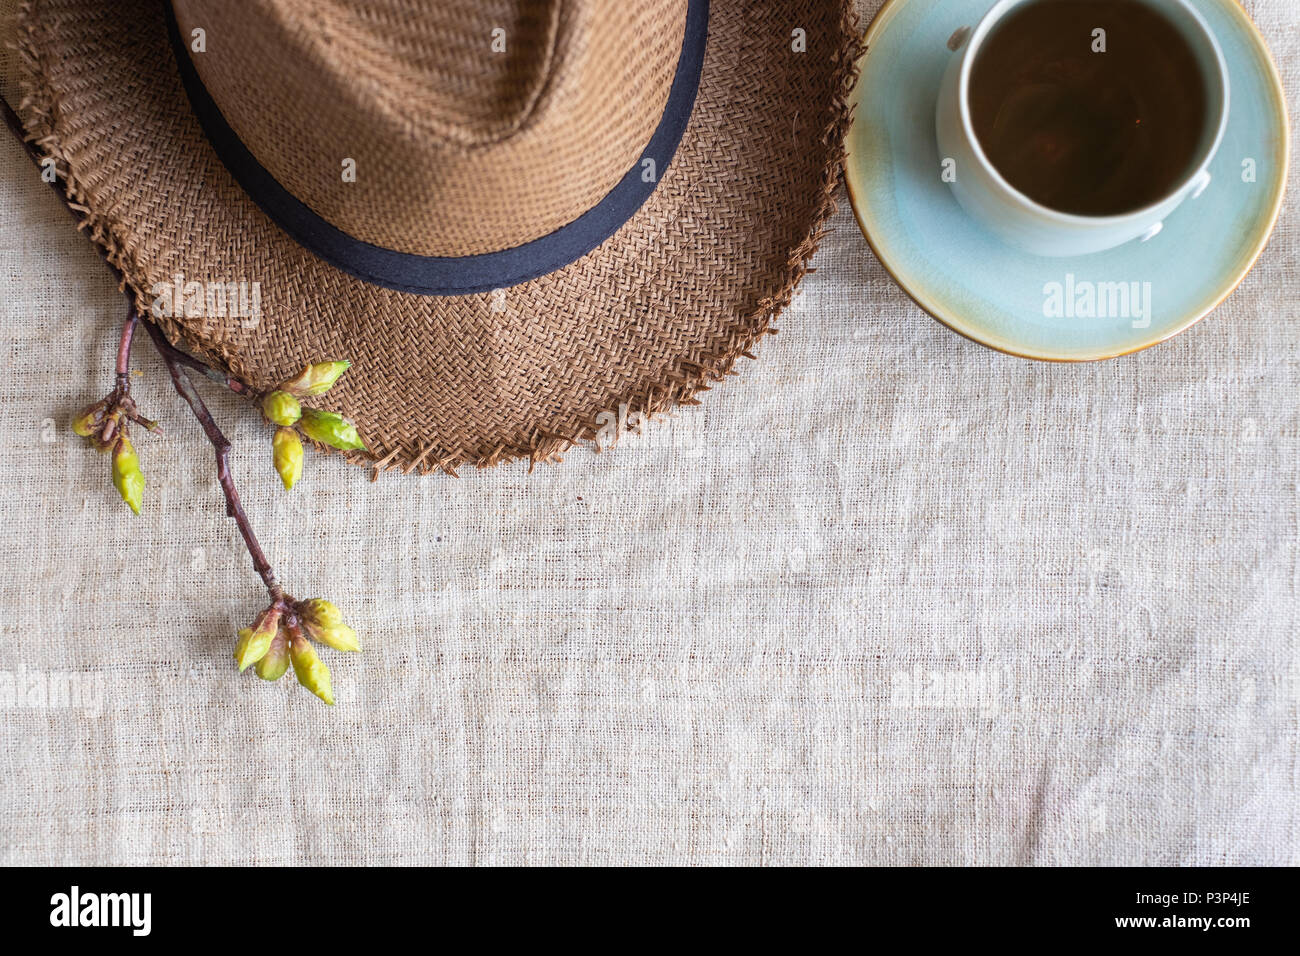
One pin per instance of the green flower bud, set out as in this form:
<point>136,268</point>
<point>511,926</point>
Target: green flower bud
<point>245,635</point>
<point>281,408</point>
<point>254,642</point>
<point>276,660</point>
<point>316,379</point>
<point>86,420</point>
<point>330,428</point>
<point>128,479</point>
<point>320,612</point>
<point>324,622</point>
<point>288,455</point>
<point>340,637</point>
<point>310,669</point>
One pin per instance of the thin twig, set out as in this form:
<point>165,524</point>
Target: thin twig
<point>124,350</point>
<point>221,445</point>
<point>214,374</point>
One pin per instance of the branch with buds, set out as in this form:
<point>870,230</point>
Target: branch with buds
<point>280,634</point>
<point>107,422</point>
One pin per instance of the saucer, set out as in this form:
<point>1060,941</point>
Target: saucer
<point>1073,309</point>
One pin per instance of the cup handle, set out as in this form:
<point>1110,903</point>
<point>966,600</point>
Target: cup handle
<point>958,38</point>
<point>1202,184</point>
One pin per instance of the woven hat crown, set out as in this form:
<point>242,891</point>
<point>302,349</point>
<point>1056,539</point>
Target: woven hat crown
<point>443,127</point>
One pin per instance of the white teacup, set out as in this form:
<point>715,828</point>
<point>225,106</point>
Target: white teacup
<point>1035,228</point>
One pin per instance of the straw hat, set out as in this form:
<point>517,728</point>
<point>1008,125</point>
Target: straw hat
<point>510,215</point>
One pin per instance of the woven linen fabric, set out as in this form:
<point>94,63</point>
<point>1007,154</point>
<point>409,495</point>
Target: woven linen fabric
<point>883,597</point>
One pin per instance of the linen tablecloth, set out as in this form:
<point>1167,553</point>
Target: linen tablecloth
<point>884,597</point>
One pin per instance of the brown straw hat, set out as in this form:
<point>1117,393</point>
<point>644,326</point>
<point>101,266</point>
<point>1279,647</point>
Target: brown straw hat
<point>510,215</point>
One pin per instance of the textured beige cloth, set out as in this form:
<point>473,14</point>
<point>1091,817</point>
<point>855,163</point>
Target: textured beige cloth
<point>885,597</point>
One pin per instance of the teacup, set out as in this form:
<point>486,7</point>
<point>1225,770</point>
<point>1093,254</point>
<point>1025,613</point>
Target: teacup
<point>986,194</point>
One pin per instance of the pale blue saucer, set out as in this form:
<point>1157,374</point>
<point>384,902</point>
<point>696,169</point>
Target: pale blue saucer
<point>1009,300</point>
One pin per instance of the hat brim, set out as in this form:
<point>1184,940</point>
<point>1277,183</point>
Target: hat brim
<point>649,318</point>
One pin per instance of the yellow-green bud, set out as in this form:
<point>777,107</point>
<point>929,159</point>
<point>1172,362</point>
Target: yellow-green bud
<point>288,455</point>
<point>324,622</point>
<point>276,660</point>
<point>316,379</point>
<point>128,479</point>
<point>340,637</point>
<point>310,669</point>
<point>86,420</point>
<point>255,641</point>
<point>330,428</point>
<point>245,635</point>
<point>281,408</point>
<point>320,612</point>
